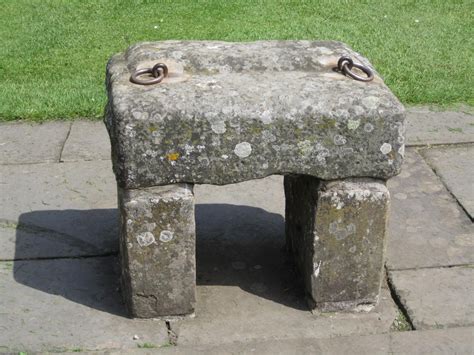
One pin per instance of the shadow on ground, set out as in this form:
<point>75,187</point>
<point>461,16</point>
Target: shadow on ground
<point>236,246</point>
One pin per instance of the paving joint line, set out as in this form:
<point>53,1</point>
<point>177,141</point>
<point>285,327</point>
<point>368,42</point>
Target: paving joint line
<point>104,255</point>
<point>437,145</point>
<point>398,302</point>
<point>427,161</point>
<point>64,142</point>
<point>430,267</point>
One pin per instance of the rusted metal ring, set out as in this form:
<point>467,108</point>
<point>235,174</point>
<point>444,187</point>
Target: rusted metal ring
<point>345,65</point>
<point>341,63</point>
<point>158,72</point>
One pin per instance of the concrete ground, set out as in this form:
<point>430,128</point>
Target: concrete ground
<point>58,255</point>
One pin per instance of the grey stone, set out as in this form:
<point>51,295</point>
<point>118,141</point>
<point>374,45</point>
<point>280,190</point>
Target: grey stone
<point>446,341</point>
<point>22,143</point>
<point>68,304</point>
<point>426,126</point>
<point>232,112</point>
<point>157,248</point>
<point>336,231</point>
<point>427,227</point>
<point>87,140</point>
<point>455,166</point>
<point>229,312</point>
<point>432,342</point>
<point>58,210</point>
<point>436,297</point>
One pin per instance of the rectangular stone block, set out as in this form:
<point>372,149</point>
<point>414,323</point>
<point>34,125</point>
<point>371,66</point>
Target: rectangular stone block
<point>336,231</point>
<point>231,112</point>
<point>157,248</point>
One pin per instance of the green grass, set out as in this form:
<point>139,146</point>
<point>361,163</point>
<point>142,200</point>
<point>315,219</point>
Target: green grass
<point>53,52</point>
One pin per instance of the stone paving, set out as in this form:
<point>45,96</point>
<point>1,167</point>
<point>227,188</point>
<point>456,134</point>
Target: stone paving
<point>58,255</point>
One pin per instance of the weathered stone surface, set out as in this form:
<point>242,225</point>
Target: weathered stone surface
<point>337,231</point>
<point>87,140</point>
<point>66,305</point>
<point>32,143</point>
<point>434,342</point>
<point>157,249</point>
<point>455,166</point>
<point>426,126</point>
<point>58,210</point>
<point>436,297</point>
<point>427,227</point>
<point>237,111</point>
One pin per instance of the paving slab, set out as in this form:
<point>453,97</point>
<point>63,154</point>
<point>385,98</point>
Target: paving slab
<point>455,166</point>
<point>427,227</point>
<point>58,210</point>
<point>425,127</point>
<point>87,140</point>
<point>447,341</point>
<point>25,143</point>
<point>247,288</point>
<point>68,304</point>
<point>436,297</point>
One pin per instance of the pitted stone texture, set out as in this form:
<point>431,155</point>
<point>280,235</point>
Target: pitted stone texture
<point>336,231</point>
<point>249,110</point>
<point>157,250</point>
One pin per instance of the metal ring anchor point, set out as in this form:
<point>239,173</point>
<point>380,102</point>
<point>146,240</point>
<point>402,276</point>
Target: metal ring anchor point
<point>158,72</point>
<point>345,65</point>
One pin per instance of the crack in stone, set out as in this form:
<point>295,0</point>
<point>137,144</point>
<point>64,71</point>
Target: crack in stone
<point>399,303</point>
<point>64,143</point>
<point>172,336</point>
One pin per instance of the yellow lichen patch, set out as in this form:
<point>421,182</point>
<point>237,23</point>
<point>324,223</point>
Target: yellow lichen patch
<point>172,156</point>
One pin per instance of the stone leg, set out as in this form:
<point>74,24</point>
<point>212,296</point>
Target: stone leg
<point>157,249</point>
<point>336,232</point>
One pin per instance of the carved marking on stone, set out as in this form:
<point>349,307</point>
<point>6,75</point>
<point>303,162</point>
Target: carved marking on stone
<point>243,150</point>
<point>166,236</point>
<point>146,239</point>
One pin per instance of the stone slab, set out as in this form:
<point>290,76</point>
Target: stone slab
<point>58,210</point>
<point>68,304</point>
<point>25,143</point>
<point>246,285</point>
<point>436,297</point>
<point>455,166</point>
<point>426,126</point>
<point>223,118</point>
<point>87,140</point>
<point>434,342</point>
<point>427,227</point>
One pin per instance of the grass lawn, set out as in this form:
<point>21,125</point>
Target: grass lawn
<point>53,52</point>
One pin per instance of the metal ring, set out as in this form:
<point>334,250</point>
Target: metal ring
<point>159,72</point>
<point>156,68</point>
<point>347,70</point>
<point>340,63</point>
